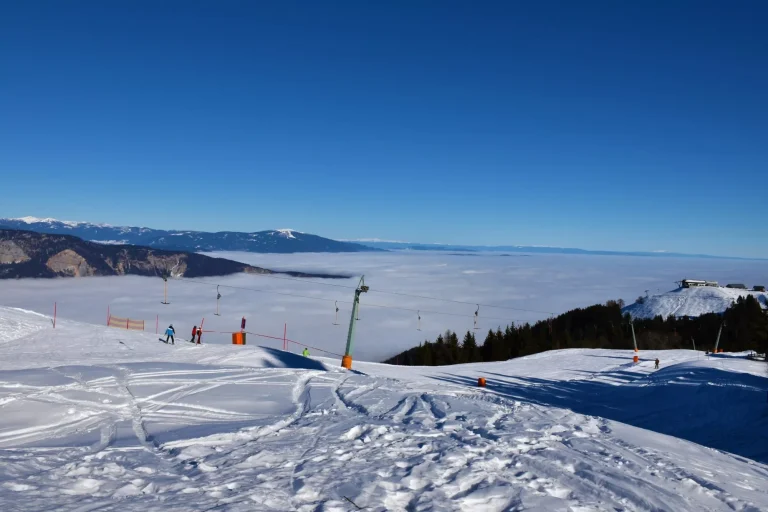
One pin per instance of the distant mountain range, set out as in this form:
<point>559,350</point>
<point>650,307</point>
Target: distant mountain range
<point>32,254</point>
<point>388,245</point>
<point>274,241</point>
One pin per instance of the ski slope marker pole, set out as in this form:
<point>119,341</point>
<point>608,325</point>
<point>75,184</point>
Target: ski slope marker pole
<point>54,315</point>
<point>285,333</point>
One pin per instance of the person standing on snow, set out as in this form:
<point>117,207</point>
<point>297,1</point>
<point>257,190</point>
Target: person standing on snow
<point>657,364</point>
<point>194,331</point>
<point>199,334</point>
<point>169,332</point>
<point>305,352</point>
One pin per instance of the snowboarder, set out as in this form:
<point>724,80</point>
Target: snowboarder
<point>305,352</point>
<point>169,332</point>
<point>657,364</point>
<point>194,331</point>
<point>199,334</point>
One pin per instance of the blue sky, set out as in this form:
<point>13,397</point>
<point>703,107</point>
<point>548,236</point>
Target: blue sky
<point>598,125</point>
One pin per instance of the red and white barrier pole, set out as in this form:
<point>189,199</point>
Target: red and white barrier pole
<point>107,315</point>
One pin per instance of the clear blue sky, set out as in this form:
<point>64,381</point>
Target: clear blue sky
<point>599,125</point>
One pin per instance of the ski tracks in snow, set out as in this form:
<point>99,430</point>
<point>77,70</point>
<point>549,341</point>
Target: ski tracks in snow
<point>203,438</point>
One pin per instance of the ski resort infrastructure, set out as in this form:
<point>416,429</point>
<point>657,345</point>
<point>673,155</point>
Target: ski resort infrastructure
<point>95,417</point>
<point>692,301</point>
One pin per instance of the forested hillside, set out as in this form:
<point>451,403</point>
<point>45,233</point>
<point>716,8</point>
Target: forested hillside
<point>745,327</point>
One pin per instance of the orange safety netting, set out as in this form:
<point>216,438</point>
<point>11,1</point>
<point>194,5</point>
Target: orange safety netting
<point>126,323</point>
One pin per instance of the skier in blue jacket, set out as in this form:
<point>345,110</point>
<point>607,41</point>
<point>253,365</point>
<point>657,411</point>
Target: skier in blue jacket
<point>169,332</point>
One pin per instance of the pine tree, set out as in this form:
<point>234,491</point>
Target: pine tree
<point>469,348</point>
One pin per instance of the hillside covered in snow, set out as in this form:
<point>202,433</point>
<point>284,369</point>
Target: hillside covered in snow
<point>99,418</point>
<point>691,302</point>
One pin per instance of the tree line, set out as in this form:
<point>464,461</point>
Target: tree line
<point>744,324</point>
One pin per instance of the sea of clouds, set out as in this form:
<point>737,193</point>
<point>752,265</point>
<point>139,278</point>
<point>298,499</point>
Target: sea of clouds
<point>543,283</point>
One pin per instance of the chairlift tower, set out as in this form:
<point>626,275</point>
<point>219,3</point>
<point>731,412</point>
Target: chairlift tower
<point>346,361</point>
<point>165,288</point>
<point>636,358</point>
<point>719,332</point>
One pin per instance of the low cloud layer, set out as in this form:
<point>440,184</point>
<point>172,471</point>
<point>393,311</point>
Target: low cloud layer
<point>547,283</point>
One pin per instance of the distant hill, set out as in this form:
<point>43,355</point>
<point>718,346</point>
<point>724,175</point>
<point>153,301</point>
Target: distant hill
<point>274,241</point>
<point>31,254</point>
<point>527,249</point>
<point>691,302</point>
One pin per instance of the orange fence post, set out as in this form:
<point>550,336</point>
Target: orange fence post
<point>481,382</point>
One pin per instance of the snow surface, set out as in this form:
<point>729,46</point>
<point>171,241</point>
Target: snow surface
<point>49,220</point>
<point>36,220</point>
<point>97,418</point>
<point>691,302</point>
<point>287,232</point>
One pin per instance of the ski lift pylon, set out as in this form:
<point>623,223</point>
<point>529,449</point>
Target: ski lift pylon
<point>476,315</point>
<point>165,287</point>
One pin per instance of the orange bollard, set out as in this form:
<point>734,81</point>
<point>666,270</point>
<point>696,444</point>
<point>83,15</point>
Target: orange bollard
<point>481,382</point>
<point>636,359</point>
<point>346,362</point>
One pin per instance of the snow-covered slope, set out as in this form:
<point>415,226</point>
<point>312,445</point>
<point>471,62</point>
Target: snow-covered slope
<point>691,302</point>
<point>100,419</point>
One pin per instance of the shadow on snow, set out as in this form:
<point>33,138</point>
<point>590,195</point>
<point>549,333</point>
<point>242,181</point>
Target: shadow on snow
<point>713,407</point>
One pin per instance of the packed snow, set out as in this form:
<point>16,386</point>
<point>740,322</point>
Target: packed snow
<point>286,232</point>
<point>99,418</point>
<point>691,302</point>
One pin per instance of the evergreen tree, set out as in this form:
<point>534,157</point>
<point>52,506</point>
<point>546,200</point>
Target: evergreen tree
<point>469,348</point>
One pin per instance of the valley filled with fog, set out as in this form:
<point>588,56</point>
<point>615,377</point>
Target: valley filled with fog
<point>540,284</point>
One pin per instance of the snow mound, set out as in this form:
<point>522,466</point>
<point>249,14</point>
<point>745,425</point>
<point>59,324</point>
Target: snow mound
<point>98,418</point>
<point>691,302</point>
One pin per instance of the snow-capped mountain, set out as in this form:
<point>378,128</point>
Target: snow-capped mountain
<point>272,241</point>
<point>691,302</point>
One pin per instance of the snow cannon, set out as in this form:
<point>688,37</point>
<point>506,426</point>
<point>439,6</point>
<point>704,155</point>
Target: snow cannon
<point>636,359</point>
<point>481,382</point>
<point>346,362</point>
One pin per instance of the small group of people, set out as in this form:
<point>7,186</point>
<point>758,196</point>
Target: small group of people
<point>170,332</point>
